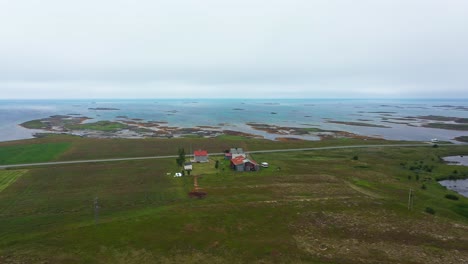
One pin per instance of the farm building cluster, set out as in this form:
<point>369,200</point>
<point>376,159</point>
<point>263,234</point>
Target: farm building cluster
<point>239,160</point>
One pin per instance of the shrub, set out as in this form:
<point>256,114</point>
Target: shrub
<point>423,187</point>
<point>451,197</point>
<point>429,210</point>
<point>355,157</point>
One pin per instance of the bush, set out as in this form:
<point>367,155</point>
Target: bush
<point>429,210</point>
<point>423,187</point>
<point>355,157</point>
<point>451,197</point>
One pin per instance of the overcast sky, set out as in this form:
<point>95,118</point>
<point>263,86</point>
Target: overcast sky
<point>238,48</point>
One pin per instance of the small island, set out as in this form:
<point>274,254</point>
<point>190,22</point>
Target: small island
<point>348,123</point>
<point>104,109</point>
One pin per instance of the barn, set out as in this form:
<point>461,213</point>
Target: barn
<point>242,163</point>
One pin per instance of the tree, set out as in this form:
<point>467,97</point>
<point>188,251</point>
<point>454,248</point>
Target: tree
<point>217,164</point>
<point>181,159</point>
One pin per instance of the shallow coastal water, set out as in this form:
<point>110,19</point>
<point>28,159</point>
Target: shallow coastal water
<point>389,119</point>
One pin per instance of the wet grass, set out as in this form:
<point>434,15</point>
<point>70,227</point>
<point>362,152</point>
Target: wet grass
<point>34,124</point>
<point>462,139</point>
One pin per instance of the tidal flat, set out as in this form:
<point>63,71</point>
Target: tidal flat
<point>389,119</point>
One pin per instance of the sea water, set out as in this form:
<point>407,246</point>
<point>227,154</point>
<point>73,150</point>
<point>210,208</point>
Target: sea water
<point>233,114</point>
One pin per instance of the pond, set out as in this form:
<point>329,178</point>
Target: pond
<point>459,186</point>
<point>456,160</point>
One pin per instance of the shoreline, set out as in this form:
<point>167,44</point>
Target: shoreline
<point>279,120</point>
<point>125,127</point>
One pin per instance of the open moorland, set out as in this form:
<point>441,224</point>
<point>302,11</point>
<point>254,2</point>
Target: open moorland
<point>323,206</point>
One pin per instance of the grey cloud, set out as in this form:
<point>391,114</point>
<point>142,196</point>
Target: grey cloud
<point>300,48</point>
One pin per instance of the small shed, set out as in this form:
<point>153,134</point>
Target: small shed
<point>188,166</point>
<point>200,156</point>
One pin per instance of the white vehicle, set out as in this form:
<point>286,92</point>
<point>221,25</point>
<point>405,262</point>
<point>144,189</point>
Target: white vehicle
<point>434,140</point>
<point>178,174</point>
<point>264,164</point>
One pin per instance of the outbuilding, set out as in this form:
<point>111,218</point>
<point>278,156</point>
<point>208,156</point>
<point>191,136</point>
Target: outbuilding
<point>188,166</point>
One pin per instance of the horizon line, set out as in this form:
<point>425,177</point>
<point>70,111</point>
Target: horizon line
<point>227,98</point>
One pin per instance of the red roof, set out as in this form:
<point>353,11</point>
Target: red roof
<point>238,160</point>
<point>200,153</point>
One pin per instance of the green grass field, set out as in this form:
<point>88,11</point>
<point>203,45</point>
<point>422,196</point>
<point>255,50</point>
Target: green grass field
<point>99,126</point>
<point>307,207</point>
<point>29,153</point>
<point>9,177</point>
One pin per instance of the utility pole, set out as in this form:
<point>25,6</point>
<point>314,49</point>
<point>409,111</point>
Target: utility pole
<point>410,199</point>
<point>96,210</point>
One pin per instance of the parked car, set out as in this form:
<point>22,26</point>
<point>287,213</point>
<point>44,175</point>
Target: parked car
<point>264,164</point>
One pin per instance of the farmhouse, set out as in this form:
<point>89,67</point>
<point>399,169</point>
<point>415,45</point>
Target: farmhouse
<point>241,163</point>
<point>200,155</point>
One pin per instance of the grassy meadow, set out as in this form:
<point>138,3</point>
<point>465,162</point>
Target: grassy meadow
<point>327,206</point>
<point>30,153</point>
